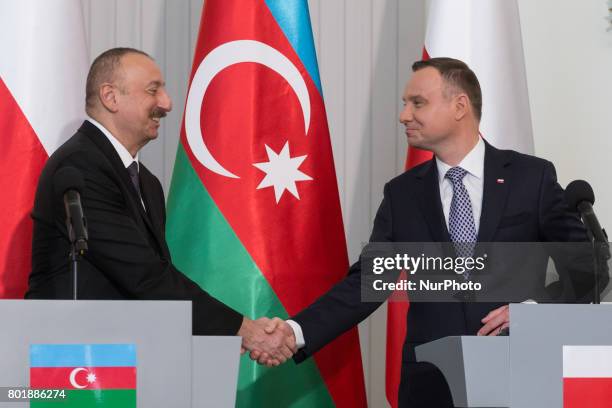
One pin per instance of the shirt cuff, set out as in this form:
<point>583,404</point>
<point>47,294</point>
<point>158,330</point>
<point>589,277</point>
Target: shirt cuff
<point>297,332</point>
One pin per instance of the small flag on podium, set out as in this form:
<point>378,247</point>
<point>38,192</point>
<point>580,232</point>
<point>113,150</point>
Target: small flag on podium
<point>91,375</point>
<point>587,376</point>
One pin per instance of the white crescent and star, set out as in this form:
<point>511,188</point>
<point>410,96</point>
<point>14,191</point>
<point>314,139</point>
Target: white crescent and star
<point>73,375</point>
<point>91,378</point>
<point>224,56</point>
<point>282,171</point>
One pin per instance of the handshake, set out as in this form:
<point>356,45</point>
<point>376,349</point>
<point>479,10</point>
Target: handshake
<point>269,341</point>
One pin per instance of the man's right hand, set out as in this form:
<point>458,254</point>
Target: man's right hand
<point>269,341</point>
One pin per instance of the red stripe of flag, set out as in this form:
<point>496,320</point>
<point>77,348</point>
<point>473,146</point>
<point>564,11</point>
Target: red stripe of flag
<point>60,377</point>
<point>22,157</point>
<point>587,392</point>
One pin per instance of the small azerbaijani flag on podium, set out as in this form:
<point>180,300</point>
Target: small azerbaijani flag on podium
<point>587,376</point>
<point>92,375</point>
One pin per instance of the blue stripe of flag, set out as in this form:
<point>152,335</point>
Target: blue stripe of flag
<point>294,19</point>
<point>82,355</point>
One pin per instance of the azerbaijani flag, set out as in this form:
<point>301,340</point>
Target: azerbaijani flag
<point>254,213</point>
<point>92,375</point>
<point>587,376</point>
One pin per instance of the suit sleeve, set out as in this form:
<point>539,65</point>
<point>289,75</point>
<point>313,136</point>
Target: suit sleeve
<point>119,249</point>
<point>558,224</point>
<point>341,307</point>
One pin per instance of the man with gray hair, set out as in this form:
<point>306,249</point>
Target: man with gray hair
<point>124,204</point>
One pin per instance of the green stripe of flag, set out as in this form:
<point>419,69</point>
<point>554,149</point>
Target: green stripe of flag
<point>90,398</point>
<point>205,248</point>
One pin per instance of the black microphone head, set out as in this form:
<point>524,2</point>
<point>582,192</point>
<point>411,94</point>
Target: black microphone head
<point>68,178</point>
<point>577,192</point>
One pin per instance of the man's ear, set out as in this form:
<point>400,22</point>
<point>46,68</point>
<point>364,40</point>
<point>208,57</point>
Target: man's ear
<point>462,106</point>
<point>108,97</point>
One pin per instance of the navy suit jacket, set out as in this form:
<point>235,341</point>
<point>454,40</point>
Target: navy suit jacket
<point>527,207</point>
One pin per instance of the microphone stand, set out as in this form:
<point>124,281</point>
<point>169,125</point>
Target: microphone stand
<point>601,254</point>
<point>78,248</point>
<point>74,262</point>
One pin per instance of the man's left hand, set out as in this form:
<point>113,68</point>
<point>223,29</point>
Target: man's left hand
<point>497,320</point>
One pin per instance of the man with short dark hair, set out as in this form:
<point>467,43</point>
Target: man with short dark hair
<point>128,257</point>
<point>457,77</point>
<point>470,191</point>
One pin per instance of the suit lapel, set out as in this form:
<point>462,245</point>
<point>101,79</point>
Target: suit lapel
<point>495,191</point>
<point>429,201</point>
<point>132,199</point>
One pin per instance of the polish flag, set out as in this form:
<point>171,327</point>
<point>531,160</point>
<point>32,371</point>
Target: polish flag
<point>42,91</point>
<point>587,376</point>
<point>485,34</point>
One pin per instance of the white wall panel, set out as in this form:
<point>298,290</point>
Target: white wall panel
<point>87,18</point>
<point>128,23</point>
<point>102,24</point>
<point>177,69</point>
<point>195,12</point>
<point>383,111</point>
<point>314,7</point>
<point>568,55</point>
<point>384,97</point>
<point>357,134</point>
<point>411,37</point>
<point>330,54</point>
<point>357,122</point>
<point>153,41</point>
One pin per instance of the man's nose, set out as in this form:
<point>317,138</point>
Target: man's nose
<point>165,102</point>
<point>406,114</point>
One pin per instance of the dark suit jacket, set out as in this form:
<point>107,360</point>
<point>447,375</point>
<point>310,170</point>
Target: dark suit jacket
<point>527,207</point>
<point>128,257</point>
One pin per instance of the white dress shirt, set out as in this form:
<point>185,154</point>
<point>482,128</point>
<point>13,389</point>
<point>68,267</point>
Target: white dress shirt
<point>124,154</point>
<point>473,181</point>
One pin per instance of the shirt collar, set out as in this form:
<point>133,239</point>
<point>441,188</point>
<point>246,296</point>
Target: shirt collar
<point>473,162</point>
<point>124,155</point>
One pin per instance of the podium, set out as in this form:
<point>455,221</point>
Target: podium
<point>173,368</point>
<point>525,369</point>
<point>476,368</point>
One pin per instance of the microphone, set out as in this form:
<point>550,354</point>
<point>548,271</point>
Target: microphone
<point>580,198</point>
<point>68,182</point>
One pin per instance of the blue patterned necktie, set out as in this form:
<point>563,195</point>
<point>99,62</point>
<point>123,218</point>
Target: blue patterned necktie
<point>461,218</point>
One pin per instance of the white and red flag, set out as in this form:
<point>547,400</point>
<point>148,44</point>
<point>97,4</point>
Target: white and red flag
<point>42,81</point>
<point>485,34</point>
<point>587,376</point>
